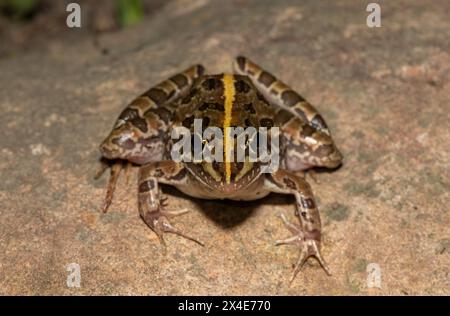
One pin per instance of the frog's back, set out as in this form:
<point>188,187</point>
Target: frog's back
<point>225,100</point>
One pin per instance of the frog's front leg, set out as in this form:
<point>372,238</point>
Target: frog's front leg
<point>151,203</point>
<point>307,235</point>
<point>280,94</point>
<point>116,168</point>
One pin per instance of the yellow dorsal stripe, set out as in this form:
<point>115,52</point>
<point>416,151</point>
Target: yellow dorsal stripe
<point>229,94</point>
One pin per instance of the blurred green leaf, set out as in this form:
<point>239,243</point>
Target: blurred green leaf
<point>18,8</point>
<point>130,11</point>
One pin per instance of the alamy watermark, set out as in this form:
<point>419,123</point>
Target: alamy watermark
<point>74,277</point>
<point>373,275</point>
<point>74,17</point>
<point>374,18</point>
<point>237,145</point>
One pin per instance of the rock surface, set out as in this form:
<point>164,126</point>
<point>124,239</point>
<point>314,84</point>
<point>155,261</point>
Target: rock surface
<point>383,91</point>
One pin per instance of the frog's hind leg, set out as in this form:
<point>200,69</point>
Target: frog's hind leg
<point>279,93</point>
<point>175,87</point>
<point>151,204</point>
<point>158,99</point>
<point>307,235</point>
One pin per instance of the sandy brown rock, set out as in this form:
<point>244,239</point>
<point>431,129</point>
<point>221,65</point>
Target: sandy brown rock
<point>384,93</point>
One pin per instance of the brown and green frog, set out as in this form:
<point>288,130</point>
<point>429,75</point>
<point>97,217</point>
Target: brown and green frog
<point>251,97</point>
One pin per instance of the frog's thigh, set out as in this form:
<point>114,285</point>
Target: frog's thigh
<point>174,87</point>
<point>160,95</point>
<point>279,93</point>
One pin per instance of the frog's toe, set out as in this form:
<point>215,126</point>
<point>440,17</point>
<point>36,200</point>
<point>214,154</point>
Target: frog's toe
<point>159,223</point>
<point>309,247</point>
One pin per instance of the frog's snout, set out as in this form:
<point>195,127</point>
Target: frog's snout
<point>106,150</point>
<point>109,149</point>
<point>334,158</point>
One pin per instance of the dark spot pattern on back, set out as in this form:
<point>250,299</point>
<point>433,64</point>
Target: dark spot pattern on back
<point>217,166</point>
<point>189,97</point>
<point>241,86</point>
<point>211,84</point>
<point>249,108</point>
<point>266,122</point>
<point>205,122</point>
<point>188,121</point>
<point>261,98</point>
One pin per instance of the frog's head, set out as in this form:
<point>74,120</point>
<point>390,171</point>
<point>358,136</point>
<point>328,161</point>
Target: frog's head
<point>311,148</point>
<point>132,139</point>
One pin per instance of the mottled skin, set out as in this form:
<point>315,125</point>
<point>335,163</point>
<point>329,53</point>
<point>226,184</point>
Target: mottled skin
<point>250,97</point>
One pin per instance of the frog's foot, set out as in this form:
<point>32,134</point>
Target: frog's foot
<point>152,204</point>
<point>308,244</point>
<point>158,221</point>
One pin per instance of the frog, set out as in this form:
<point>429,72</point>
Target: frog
<point>247,97</point>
